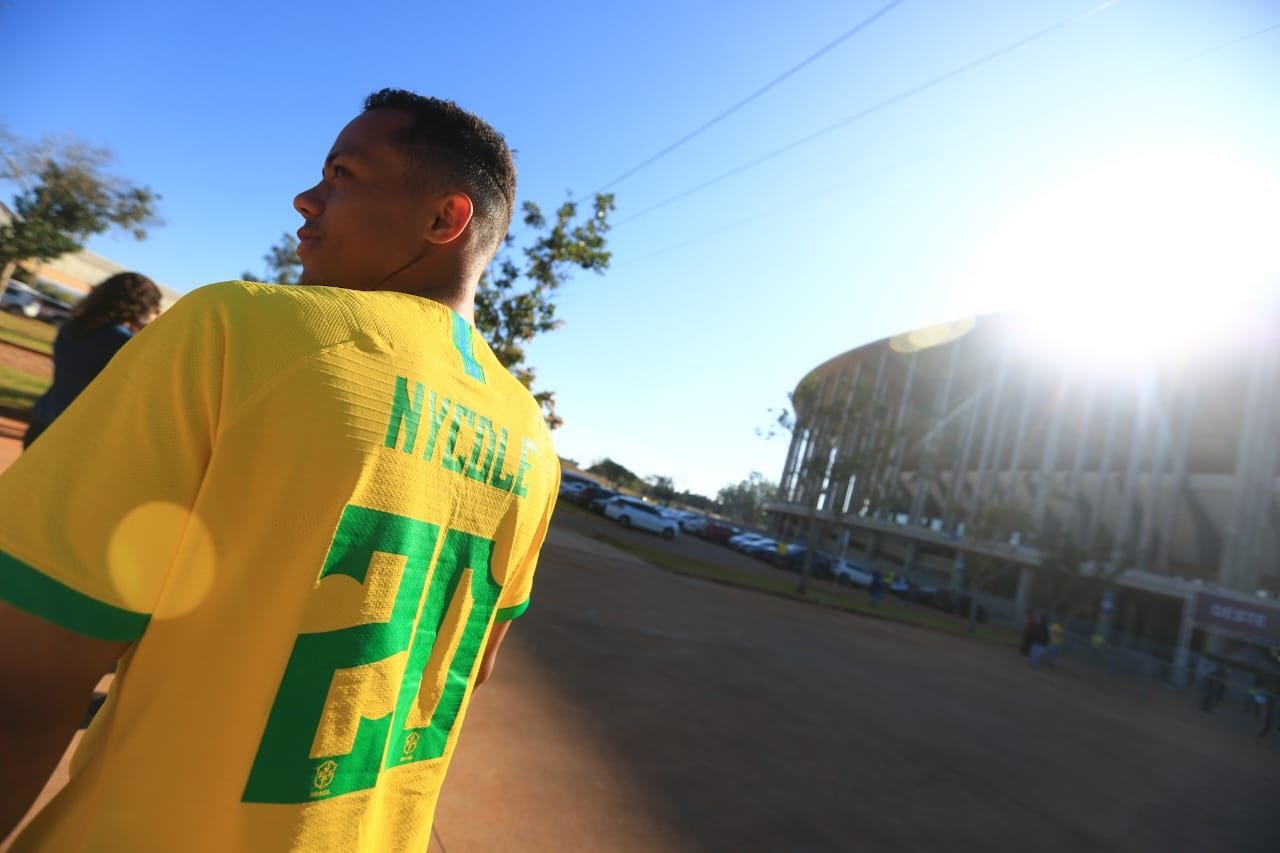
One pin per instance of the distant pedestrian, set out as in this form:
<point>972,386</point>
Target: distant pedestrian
<point>1268,707</point>
<point>1213,688</point>
<point>876,589</point>
<point>1055,641</point>
<point>99,325</point>
<point>1026,634</point>
<point>1039,640</point>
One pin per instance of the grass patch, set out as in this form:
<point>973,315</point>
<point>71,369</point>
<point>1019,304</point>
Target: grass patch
<point>786,588</point>
<point>28,333</point>
<point>20,390</point>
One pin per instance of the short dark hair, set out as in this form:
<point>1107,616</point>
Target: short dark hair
<point>445,142</point>
<point>126,297</point>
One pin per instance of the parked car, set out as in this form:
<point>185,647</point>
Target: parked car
<point>633,512</point>
<point>716,531</point>
<point>692,522</point>
<point>742,540</point>
<point>53,310</point>
<point>20,299</point>
<point>909,590</point>
<point>568,488</point>
<point>594,498</point>
<point>851,573</point>
<point>763,547</point>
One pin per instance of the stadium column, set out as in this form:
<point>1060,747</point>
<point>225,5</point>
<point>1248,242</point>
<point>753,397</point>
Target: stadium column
<point>1182,651</point>
<point>1019,438</point>
<point>1254,470</point>
<point>1139,441</point>
<point>900,430</point>
<point>941,421</point>
<point>1022,597</point>
<point>993,424</point>
<point>1172,501</point>
<point>840,436</point>
<point>871,428</point>
<point>1161,427</point>
<point>1048,458</point>
<point>1072,524</point>
<point>1104,474</point>
<point>956,486</point>
<point>788,469</point>
<point>848,434</point>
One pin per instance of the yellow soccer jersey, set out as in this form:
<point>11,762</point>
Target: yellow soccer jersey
<point>308,506</point>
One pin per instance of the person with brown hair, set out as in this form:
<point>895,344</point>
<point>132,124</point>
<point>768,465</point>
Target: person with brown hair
<point>99,326</point>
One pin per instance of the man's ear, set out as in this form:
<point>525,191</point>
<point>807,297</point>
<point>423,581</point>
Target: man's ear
<point>453,213</point>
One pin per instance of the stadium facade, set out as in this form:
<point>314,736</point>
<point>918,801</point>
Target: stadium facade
<point>979,443</point>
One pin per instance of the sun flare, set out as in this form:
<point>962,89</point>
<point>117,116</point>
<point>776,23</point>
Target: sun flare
<point>1139,257</point>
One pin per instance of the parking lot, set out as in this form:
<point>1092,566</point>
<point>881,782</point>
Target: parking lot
<point>635,709</point>
<point>691,547</point>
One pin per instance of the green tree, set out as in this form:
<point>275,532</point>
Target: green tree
<point>283,264</point>
<point>662,488</point>
<point>697,501</point>
<point>65,196</point>
<point>515,300</point>
<point>745,500</point>
<point>619,475</point>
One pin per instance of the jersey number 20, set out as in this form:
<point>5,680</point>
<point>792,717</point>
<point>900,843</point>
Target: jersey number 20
<point>357,695</point>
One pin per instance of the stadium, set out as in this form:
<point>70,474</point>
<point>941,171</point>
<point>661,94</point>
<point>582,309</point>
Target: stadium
<point>1040,456</point>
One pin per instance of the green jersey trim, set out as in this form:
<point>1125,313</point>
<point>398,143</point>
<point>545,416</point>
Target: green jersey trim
<point>42,596</point>
<point>462,341</point>
<point>506,614</point>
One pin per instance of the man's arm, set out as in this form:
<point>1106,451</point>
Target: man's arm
<point>496,636</point>
<point>47,676</point>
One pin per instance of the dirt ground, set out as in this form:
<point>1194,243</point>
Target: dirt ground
<point>634,709</point>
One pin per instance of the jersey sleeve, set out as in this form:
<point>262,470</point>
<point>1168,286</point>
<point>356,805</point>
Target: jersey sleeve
<point>514,599</point>
<point>93,513</point>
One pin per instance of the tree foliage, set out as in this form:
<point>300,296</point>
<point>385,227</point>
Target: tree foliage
<point>619,475</point>
<point>745,500</point>
<point>515,300</point>
<point>283,264</point>
<point>65,196</point>
<point>695,500</point>
<point>662,488</point>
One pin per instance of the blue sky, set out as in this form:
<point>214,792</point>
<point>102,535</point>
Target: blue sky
<point>718,302</point>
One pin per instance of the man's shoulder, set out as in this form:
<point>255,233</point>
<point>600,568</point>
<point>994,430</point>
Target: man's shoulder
<point>242,294</point>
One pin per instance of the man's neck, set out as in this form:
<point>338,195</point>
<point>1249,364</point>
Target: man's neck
<point>460,298</point>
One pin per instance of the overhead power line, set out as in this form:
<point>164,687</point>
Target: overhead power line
<point>875,108</point>
<point>749,98</point>
<point>1235,41</point>
<point>893,167</point>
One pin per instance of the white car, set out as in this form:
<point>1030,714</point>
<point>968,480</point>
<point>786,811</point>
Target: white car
<point>850,573</point>
<point>633,512</point>
<point>743,540</point>
<point>20,299</point>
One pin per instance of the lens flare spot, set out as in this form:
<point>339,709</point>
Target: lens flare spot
<point>162,560</point>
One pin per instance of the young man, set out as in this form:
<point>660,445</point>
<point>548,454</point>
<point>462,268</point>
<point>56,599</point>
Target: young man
<point>301,518</point>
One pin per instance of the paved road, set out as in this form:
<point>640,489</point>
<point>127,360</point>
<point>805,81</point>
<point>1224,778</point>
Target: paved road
<point>635,709</point>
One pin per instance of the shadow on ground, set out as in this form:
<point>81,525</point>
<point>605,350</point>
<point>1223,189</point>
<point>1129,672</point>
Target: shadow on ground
<point>746,722</point>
